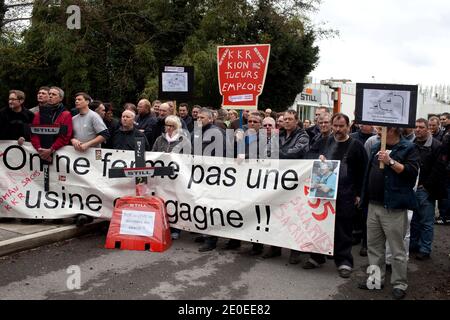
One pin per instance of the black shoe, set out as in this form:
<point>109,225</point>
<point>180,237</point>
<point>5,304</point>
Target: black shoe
<point>311,264</point>
<point>272,253</point>
<point>83,219</point>
<point>294,257</point>
<point>199,239</point>
<point>232,244</point>
<point>363,285</point>
<point>206,247</point>
<point>345,273</point>
<point>398,294</point>
<point>422,256</point>
<point>363,252</point>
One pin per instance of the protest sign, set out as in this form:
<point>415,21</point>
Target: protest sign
<point>254,200</point>
<point>242,72</point>
<point>386,104</point>
<point>176,83</point>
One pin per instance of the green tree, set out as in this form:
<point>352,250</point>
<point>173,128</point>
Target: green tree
<point>122,44</point>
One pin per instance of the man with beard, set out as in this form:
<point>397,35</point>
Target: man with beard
<point>353,157</point>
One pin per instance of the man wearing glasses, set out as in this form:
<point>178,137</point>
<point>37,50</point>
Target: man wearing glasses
<point>15,119</point>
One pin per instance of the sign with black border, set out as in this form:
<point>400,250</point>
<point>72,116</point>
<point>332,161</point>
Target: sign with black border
<point>176,83</point>
<point>387,105</point>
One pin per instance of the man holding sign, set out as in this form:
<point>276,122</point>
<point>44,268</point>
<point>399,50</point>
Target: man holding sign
<point>387,217</point>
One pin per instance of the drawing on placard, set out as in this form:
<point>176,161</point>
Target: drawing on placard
<point>387,106</point>
<point>174,82</point>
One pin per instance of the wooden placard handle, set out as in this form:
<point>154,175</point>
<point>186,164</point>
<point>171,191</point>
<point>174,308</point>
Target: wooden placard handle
<point>383,143</point>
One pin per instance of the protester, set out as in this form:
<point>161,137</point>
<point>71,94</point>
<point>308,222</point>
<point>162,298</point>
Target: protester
<point>130,106</point>
<point>172,141</point>
<point>317,143</point>
<point>389,193</point>
<point>280,122</point>
<point>183,112</point>
<point>194,113</point>
<point>294,144</point>
<point>124,138</point>
<point>155,108</point>
<point>54,113</point>
<point>444,117</point>
<point>145,122</point>
<point>353,159</point>
<point>431,187</point>
<point>89,131</point>
<point>42,98</point>
<point>15,119</point>
<point>251,143</point>
<point>98,107</point>
<point>359,234</point>
<point>207,137</point>
<point>436,131</point>
<point>306,124</point>
<point>314,129</point>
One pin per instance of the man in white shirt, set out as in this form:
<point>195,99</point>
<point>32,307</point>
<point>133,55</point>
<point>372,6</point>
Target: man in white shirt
<point>89,131</point>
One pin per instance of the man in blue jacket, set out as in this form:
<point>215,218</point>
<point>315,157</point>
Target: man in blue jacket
<point>387,215</point>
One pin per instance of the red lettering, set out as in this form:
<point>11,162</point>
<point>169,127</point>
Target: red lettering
<point>327,206</point>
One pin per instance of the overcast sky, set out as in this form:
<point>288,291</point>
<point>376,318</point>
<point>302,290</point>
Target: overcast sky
<point>385,41</point>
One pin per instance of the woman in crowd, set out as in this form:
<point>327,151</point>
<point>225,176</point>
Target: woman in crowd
<point>172,140</point>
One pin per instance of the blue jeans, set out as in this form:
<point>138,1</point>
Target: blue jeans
<point>422,224</point>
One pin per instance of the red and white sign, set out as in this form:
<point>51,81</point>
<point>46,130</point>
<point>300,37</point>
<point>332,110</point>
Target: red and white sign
<point>242,73</point>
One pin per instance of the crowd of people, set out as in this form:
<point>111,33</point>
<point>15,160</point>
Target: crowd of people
<point>390,212</point>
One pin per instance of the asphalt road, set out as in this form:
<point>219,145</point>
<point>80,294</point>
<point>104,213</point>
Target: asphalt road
<point>183,273</point>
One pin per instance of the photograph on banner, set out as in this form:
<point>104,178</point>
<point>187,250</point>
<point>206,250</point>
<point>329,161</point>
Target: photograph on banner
<point>324,179</point>
<point>388,105</point>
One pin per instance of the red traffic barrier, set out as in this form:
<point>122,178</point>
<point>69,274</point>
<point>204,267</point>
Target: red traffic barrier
<point>139,223</point>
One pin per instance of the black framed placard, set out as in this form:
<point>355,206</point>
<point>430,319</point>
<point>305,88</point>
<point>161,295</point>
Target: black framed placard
<point>387,105</point>
<point>176,83</point>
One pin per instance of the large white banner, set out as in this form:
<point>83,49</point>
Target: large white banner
<point>260,201</point>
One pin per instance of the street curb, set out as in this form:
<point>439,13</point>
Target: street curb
<point>42,238</point>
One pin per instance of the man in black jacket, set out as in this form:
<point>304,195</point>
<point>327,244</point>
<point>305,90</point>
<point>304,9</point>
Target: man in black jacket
<point>183,112</point>
<point>15,120</point>
<point>294,141</point>
<point>207,140</point>
<point>353,159</point>
<point>123,138</point>
<point>431,187</point>
<point>294,144</point>
<point>145,120</point>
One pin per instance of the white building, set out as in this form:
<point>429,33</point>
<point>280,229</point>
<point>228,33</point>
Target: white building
<point>340,96</point>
